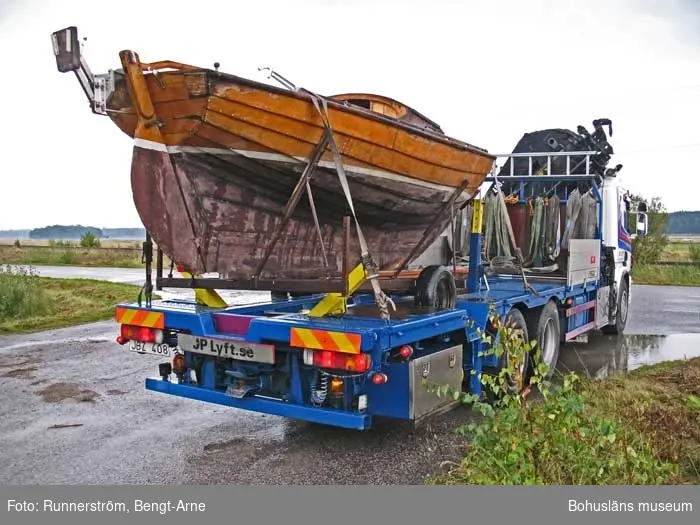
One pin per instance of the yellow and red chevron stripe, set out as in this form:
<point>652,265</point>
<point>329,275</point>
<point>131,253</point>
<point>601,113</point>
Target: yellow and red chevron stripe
<point>325,340</point>
<point>136,317</point>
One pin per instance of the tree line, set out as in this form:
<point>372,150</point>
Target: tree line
<point>683,222</point>
<point>77,231</point>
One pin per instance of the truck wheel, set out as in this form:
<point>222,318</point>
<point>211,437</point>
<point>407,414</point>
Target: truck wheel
<point>515,319</point>
<point>436,288</point>
<point>547,330</point>
<point>623,300</point>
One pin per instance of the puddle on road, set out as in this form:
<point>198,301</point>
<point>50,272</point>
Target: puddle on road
<point>59,392</point>
<point>604,356</point>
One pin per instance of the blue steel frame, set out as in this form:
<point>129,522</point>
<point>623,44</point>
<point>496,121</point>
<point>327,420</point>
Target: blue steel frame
<point>377,337</point>
<point>273,321</point>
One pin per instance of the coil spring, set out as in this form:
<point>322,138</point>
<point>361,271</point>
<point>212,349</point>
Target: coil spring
<point>318,395</point>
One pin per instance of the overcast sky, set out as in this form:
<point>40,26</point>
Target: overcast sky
<point>486,71</point>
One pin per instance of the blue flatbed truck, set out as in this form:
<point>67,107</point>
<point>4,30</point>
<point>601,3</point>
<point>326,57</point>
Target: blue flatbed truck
<point>278,357</point>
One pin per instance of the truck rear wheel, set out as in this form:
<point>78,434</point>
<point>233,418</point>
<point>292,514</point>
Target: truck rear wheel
<point>546,330</point>
<point>516,320</point>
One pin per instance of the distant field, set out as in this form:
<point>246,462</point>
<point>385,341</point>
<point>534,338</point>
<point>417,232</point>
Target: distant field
<point>678,250</point>
<point>127,254</point>
<point>106,243</point>
<point>111,253</point>
<point>684,237</point>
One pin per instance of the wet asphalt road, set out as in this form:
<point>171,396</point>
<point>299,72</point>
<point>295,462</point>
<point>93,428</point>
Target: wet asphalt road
<point>74,411</point>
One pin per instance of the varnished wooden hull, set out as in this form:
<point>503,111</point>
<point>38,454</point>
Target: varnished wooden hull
<point>212,188</point>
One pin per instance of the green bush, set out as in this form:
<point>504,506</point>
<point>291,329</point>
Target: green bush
<point>66,257</point>
<point>88,240</point>
<point>21,294</point>
<point>648,249</point>
<point>60,243</point>
<point>694,250</point>
<point>555,439</point>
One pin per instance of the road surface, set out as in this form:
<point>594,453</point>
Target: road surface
<point>74,411</point>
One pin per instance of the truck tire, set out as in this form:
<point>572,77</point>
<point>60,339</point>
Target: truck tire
<point>623,299</point>
<point>514,318</point>
<point>436,288</point>
<point>546,330</point>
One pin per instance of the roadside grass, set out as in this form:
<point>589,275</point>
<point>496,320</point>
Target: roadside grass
<point>639,428</point>
<point>662,275</point>
<point>666,275</point>
<point>662,404</point>
<point>31,303</point>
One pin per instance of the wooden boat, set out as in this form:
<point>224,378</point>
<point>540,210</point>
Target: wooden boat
<point>216,157</point>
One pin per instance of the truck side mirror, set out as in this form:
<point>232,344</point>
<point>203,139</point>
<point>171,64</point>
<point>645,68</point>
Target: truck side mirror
<point>641,224</point>
<point>66,48</point>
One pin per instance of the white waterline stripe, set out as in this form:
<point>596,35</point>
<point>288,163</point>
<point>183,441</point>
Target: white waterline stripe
<point>277,157</point>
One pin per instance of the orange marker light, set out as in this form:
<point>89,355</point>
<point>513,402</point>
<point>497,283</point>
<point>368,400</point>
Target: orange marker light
<point>337,385</point>
<point>179,364</point>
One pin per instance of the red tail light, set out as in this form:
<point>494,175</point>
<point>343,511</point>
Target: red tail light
<point>338,360</point>
<point>406,351</point>
<point>140,333</point>
<point>379,378</point>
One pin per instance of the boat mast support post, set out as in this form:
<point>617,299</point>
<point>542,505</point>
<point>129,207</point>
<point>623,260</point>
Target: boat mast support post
<point>147,258</point>
<point>159,268</point>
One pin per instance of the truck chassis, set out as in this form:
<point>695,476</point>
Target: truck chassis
<point>276,357</point>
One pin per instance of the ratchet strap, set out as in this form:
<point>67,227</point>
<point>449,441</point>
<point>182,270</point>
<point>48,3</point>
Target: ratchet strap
<point>383,300</point>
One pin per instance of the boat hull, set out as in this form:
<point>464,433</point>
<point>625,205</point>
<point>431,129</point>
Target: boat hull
<point>211,216</point>
<point>212,187</point>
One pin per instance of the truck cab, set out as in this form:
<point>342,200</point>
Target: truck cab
<point>617,240</point>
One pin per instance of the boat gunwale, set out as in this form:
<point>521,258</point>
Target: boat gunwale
<point>214,75</point>
<point>357,160</point>
<point>352,109</point>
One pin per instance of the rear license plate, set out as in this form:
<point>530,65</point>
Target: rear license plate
<point>150,348</point>
<point>242,351</point>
